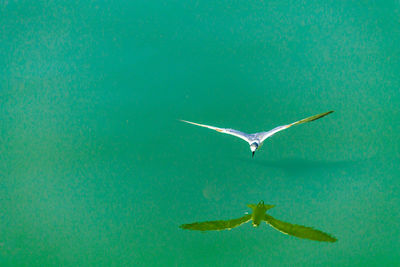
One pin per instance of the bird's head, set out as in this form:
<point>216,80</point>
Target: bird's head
<point>253,147</point>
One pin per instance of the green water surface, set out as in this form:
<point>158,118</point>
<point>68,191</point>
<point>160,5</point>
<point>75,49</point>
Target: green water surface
<point>96,169</point>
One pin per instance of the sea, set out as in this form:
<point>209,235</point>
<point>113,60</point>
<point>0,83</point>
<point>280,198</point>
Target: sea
<point>96,168</point>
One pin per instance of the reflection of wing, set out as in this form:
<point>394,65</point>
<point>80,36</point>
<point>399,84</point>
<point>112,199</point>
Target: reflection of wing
<point>217,225</point>
<point>223,130</point>
<point>265,135</point>
<point>298,230</point>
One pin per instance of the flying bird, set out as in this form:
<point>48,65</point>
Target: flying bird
<point>256,140</point>
<point>258,215</point>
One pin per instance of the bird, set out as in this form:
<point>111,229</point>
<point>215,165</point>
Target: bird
<point>256,140</point>
<point>257,216</point>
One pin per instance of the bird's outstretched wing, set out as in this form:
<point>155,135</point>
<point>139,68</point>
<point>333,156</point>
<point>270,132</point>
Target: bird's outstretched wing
<point>298,230</point>
<point>217,225</point>
<point>223,130</point>
<point>265,135</point>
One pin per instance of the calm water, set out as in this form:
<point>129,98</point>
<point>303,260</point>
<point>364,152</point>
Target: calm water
<point>96,169</point>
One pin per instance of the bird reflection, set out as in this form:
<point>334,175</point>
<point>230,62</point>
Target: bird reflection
<point>258,215</point>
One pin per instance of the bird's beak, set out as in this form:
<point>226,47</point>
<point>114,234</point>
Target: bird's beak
<point>253,154</point>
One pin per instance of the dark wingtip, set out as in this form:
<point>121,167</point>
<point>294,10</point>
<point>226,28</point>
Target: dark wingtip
<point>183,226</point>
<point>332,239</point>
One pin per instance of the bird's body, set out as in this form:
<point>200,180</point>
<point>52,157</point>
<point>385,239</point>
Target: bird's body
<point>255,140</point>
<point>257,216</point>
